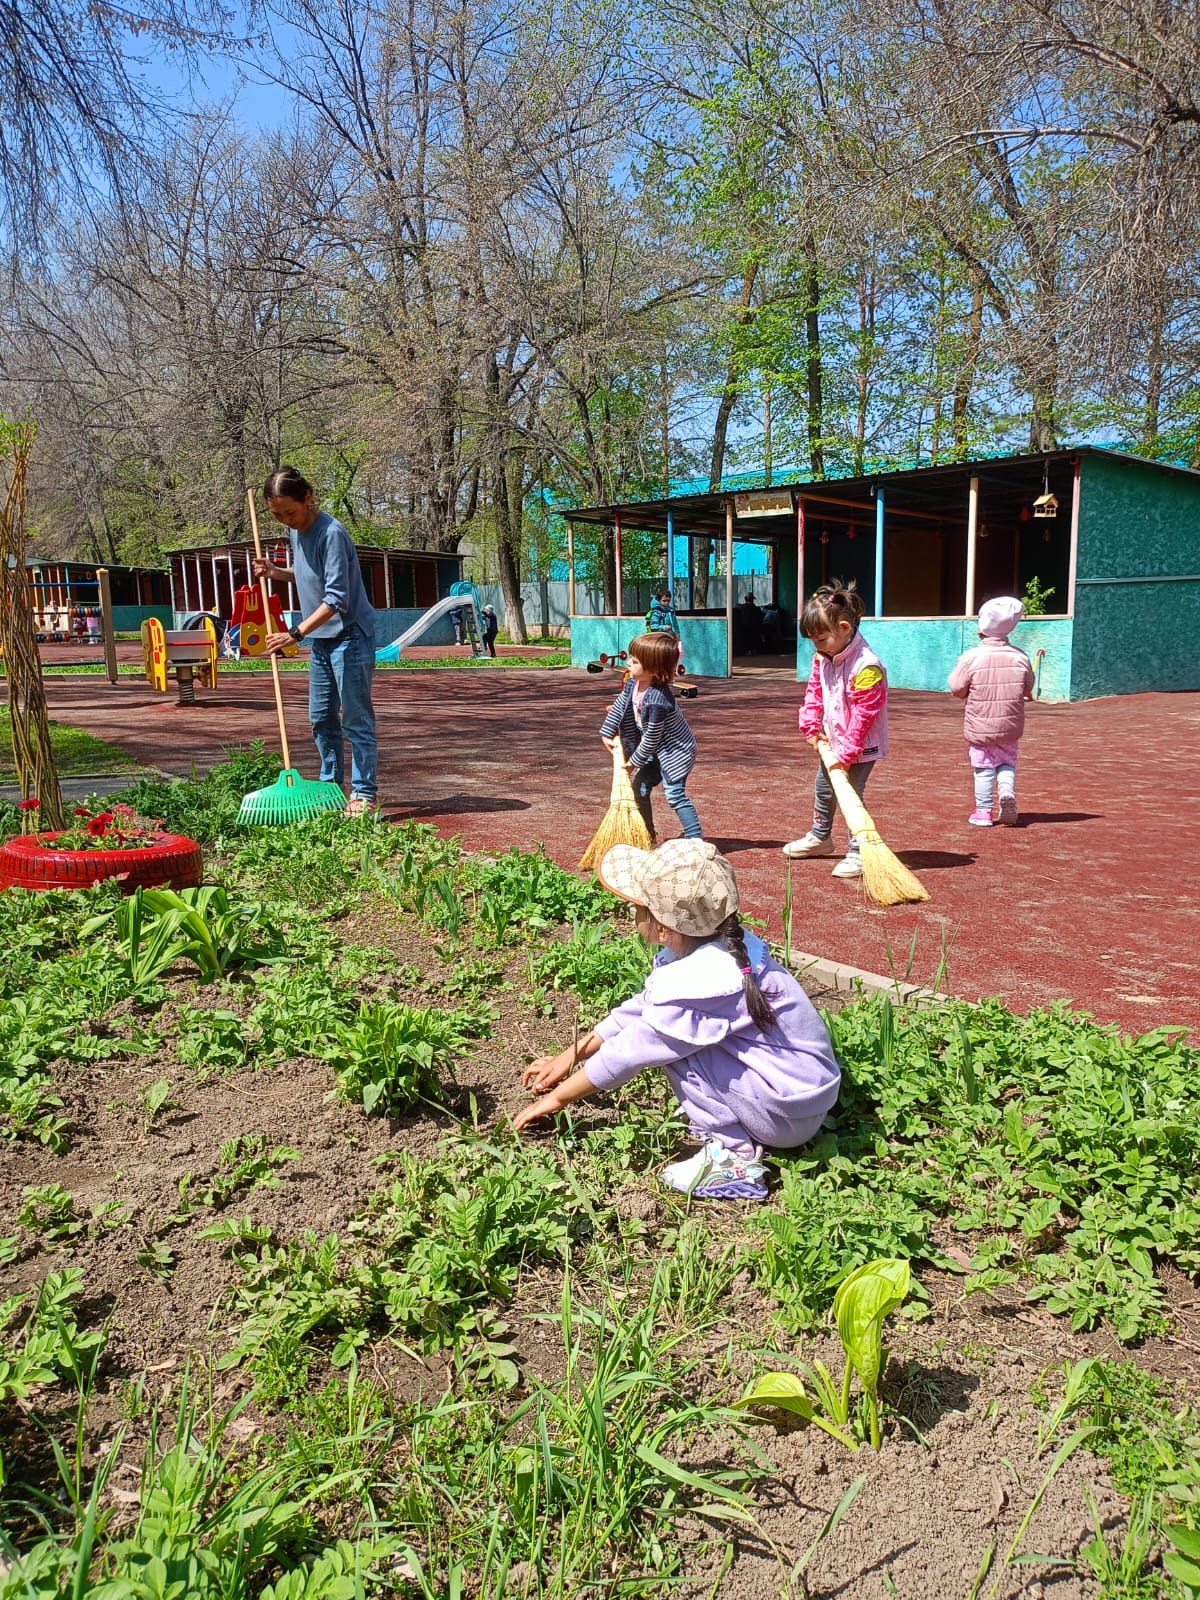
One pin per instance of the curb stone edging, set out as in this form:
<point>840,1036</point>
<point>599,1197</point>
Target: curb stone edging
<point>845,979</point>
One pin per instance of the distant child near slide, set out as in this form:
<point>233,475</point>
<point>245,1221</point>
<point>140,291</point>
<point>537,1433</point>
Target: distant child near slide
<point>995,679</point>
<point>659,746</point>
<point>746,1055</point>
<point>846,702</point>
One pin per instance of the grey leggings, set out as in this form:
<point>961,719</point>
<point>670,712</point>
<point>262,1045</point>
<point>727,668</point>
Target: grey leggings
<point>990,779</point>
<point>825,801</point>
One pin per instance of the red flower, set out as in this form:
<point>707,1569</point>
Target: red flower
<point>28,805</point>
<point>81,811</point>
<point>98,826</point>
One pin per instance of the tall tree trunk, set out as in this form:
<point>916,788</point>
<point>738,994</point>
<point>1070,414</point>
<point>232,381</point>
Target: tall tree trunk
<point>964,379</point>
<point>509,526</point>
<point>702,549</point>
<point>1154,379</point>
<point>812,341</point>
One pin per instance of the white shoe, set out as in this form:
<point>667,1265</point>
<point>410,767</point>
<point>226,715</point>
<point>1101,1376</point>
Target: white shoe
<point>811,845</point>
<point>849,866</point>
<point>717,1173</point>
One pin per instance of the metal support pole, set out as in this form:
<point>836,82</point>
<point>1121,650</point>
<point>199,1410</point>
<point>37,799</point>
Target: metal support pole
<point>671,554</point>
<point>972,537</point>
<point>107,631</point>
<point>691,603</point>
<point>729,588</point>
<point>878,552</point>
<point>617,554</point>
<point>570,568</point>
<point>800,591</point>
<point>1074,562</point>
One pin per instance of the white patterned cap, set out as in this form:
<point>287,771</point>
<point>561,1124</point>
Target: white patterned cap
<point>685,884</point>
<point>998,617</point>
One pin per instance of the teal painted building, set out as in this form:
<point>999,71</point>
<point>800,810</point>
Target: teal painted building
<point>1110,540</point>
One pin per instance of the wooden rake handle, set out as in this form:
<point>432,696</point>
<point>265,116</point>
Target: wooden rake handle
<point>266,600</point>
<point>622,784</point>
<point>858,818</point>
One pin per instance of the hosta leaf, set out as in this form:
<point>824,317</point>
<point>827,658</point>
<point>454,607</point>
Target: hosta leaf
<point>862,1301</point>
<point>782,1389</point>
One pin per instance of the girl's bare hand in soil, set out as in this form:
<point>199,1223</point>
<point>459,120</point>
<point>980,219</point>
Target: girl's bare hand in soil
<point>549,1071</point>
<point>545,1107</point>
<point>576,1087</point>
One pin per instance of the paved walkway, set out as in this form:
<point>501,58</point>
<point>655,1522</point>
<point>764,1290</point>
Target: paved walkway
<point>1095,899</point>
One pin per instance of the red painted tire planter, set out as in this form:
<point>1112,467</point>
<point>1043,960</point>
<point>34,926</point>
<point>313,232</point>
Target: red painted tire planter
<point>174,862</point>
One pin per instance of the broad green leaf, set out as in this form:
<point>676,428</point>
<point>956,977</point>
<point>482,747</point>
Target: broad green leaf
<point>782,1389</point>
<point>1186,1540</point>
<point>862,1301</point>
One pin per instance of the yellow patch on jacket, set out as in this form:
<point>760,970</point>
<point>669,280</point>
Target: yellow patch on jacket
<point>867,678</point>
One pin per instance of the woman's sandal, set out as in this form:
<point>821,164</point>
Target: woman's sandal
<point>356,806</point>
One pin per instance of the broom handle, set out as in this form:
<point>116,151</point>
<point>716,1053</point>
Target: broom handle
<point>858,818</point>
<point>266,600</point>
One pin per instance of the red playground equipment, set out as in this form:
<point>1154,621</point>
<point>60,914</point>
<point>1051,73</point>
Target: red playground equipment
<point>605,663</point>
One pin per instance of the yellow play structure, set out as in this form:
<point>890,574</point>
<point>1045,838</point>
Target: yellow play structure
<point>192,653</point>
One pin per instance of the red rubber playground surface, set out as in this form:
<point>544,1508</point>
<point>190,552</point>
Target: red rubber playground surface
<point>1094,899</point>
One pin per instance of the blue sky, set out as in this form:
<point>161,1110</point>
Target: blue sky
<point>259,107</point>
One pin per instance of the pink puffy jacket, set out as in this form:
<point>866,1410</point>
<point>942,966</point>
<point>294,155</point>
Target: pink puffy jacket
<point>993,679</point>
<point>846,700</point>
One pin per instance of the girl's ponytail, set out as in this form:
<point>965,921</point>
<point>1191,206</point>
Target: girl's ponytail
<point>830,604</point>
<point>732,936</point>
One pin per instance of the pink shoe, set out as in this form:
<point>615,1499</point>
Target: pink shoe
<point>1008,810</point>
<point>980,819</point>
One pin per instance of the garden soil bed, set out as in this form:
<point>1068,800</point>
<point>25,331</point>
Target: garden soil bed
<point>957,1477</point>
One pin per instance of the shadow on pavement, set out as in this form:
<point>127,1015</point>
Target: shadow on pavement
<point>458,804</point>
<point>1031,819</point>
<point>928,860</point>
<point>729,847</point>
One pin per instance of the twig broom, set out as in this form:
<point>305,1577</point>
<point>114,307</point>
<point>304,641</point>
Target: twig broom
<point>886,879</point>
<point>623,822</point>
<point>290,798</point>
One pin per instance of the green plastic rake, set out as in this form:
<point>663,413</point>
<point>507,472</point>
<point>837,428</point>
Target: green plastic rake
<point>290,798</point>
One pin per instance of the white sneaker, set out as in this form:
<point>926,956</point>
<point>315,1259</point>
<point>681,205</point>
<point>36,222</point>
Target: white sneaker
<point>811,845</point>
<point>849,866</point>
<point>1008,810</point>
<point>716,1173</point>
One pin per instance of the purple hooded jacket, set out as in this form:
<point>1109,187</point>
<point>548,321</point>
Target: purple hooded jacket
<point>691,1020</point>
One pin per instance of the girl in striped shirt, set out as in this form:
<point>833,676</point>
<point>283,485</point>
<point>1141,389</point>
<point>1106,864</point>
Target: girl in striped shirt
<point>658,744</point>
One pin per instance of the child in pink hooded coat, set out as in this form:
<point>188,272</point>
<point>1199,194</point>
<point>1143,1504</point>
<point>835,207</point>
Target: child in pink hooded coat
<point>995,679</point>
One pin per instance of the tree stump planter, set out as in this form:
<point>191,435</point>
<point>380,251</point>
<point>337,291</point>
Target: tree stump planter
<point>30,861</point>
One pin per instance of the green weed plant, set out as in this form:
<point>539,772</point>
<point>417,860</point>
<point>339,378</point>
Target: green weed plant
<point>423,1258</point>
<point>1066,1150</point>
<point>391,1057</point>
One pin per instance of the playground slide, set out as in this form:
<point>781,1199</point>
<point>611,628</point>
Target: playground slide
<point>452,602</point>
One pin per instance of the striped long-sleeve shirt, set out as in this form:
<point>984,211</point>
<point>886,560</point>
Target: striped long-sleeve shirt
<point>663,733</point>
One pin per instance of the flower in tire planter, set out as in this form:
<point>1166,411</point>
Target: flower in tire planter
<point>105,844</point>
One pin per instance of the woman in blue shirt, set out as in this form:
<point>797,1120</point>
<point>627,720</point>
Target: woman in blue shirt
<point>338,622</point>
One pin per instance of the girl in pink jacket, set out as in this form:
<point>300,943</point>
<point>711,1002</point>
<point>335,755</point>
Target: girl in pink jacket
<point>995,679</point>
<point>846,702</point>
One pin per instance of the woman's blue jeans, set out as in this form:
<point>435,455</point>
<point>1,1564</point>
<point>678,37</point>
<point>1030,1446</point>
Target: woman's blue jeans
<point>339,708</point>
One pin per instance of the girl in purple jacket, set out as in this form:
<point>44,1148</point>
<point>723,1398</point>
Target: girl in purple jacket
<point>747,1056</point>
<point>994,679</point>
